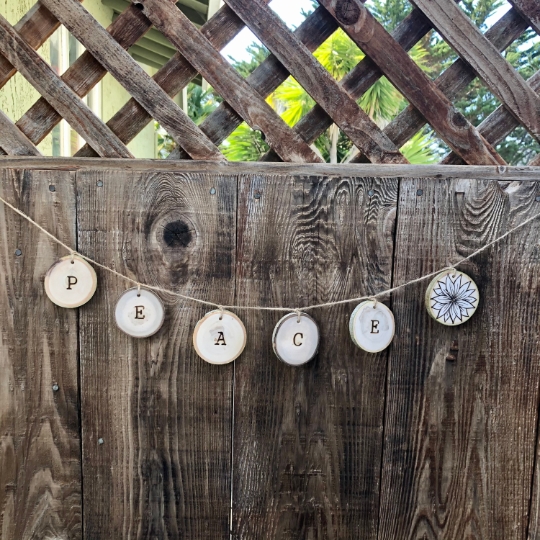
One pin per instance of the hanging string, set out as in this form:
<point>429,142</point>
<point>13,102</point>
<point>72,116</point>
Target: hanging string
<point>221,307</point>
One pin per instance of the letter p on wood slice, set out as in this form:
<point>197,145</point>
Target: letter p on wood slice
<point>219,337</point>
<point>70,282</point>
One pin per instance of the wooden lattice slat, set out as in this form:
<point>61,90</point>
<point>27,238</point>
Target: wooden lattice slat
<point>322,87</point>
<point>414,84</point>
<point>172,77</point>
<point>455,79</point>
<point>266,78</point>
<point>500,77</point>
<point>431,102</point>
<point>83,75</point>
<point>227,82</point>
<point>45,80</point>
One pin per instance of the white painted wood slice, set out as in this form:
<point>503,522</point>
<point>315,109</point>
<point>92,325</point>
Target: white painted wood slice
<point>139,314</point>
<point>70,282</point>
<point>452,298</point>
<point>372,326</point>
<point>296,339</point>
<point>220,337</point>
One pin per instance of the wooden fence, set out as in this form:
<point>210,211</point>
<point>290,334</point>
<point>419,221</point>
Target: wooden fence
<point>105,436</point>
<point>244,99</point>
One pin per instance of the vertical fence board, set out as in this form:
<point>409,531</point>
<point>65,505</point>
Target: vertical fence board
<point>163,470</point>
<point>462,402</point>
<point>40,476</point>
<point>308,440</point>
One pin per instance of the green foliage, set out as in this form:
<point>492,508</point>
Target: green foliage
<point>244,144</point>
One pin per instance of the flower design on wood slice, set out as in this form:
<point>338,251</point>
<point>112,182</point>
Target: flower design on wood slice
<point>452,298</point>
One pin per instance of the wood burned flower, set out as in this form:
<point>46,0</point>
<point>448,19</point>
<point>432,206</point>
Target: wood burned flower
<point>454,298</point>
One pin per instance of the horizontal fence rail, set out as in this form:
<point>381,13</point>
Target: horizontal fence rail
<point>431,102</point>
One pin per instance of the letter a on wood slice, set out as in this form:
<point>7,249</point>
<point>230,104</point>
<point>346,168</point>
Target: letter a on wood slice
<point>452,298</point>
<point>296,339</point>
<point>70,282</point>
<point>372,326</point>
<point>139,313</point>
<point>219,337</point>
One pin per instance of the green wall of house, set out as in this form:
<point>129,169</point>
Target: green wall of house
<point>17,96</point>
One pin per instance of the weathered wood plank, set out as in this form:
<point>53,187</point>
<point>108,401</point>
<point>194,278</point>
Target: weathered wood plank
<point>462,402</point>
<point>165,416</point>
<point>133,78</point>
<point>313,31</point>
<point>529,10</point>
<point>48,84</point>
<point>500,77</point>
<point>307,441</point>
<point>40,461</point>
<point>522,173</point>
<point>412,82</point>
<point>13,141</point>
<point>83,75</point>
<point>226,81</point>
<point>456,79</point>
<point>316,80</point>
<point>172,77</point>
<point>35,28</point>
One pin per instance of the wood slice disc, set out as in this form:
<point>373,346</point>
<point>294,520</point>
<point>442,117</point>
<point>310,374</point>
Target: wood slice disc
<point>219,337</point>
<point>372,326</point>
<point>452,298</point>
<point>70,282</point>
<point>296,339</point>
<point>139,313</point>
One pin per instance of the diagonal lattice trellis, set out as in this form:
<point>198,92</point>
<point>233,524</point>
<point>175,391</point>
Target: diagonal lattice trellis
<point>431,101</point>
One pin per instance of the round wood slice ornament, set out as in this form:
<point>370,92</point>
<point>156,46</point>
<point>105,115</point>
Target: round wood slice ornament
<point>452,298</point>
<point>372,326</point>
<point>220,337</point>
<point>296,339</point>
<point>139,313</point>
<point>70,282</point>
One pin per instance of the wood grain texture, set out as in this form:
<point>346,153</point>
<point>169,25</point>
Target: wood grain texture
<point>133,78</point>
<point>226,81</point>
<point>13,141</point>
<point>316,80</point>
<point>431,172</point>
<point>313,31</point>
<point>412,82</point>
<point>45,80</point>
<point>453,81</point>
<point>462,403</point>
<point>163,470</point>
<point>307,440</point>
<point>500,77</point>
<point>529,10</point>
<point>40,467</point>
<point>83,75</point>
<point>35,28</point>
<point>132,118</point>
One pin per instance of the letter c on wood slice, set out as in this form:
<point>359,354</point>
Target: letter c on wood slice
<point>70,282</point>
<point>452,298</point>
<point>139,313</point>
<point>296,339</point>
<point>220,337</point>
<point>372,326</point>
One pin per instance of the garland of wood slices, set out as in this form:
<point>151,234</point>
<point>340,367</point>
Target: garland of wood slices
<point>219,337</point>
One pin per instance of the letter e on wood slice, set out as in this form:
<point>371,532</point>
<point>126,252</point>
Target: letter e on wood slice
<point>139,313</point>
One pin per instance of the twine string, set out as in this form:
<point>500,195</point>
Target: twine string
<point>374,297</point>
